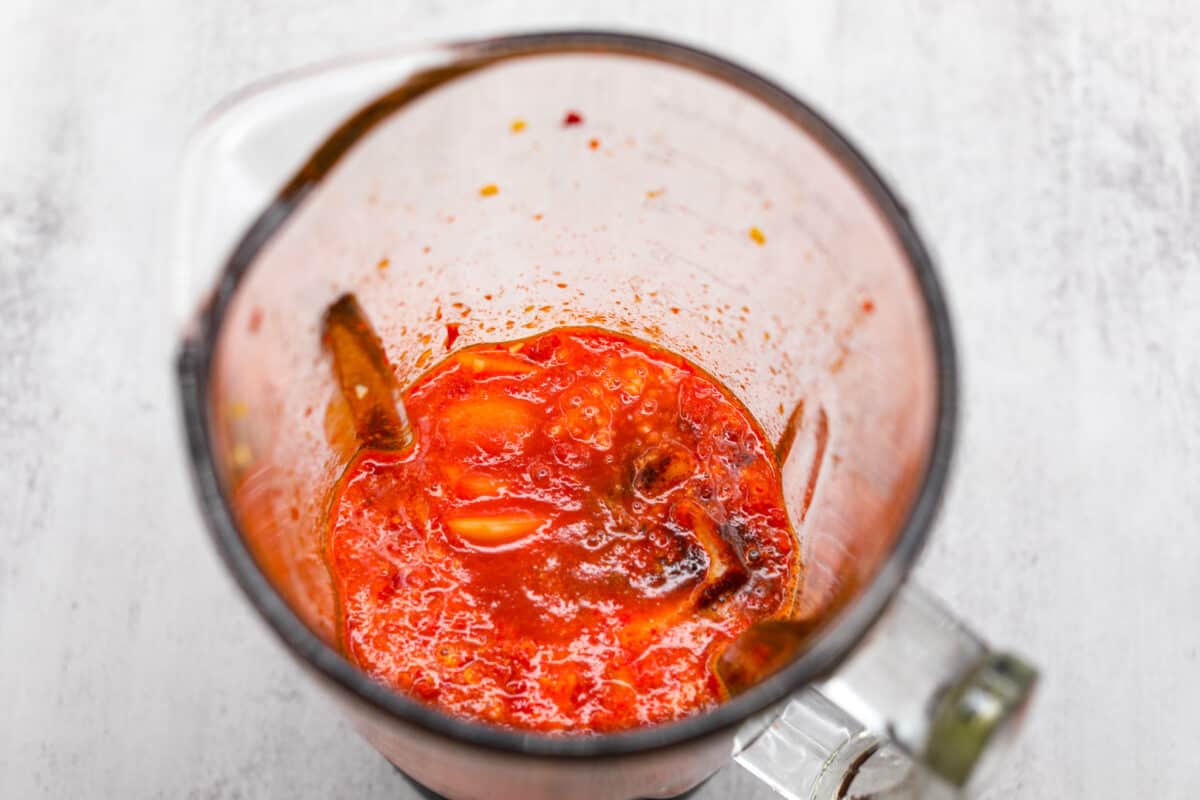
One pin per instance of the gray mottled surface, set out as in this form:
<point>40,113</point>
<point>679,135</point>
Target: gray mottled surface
<point>1052,151</point>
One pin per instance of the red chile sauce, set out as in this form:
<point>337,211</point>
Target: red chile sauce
<point>583,523</point>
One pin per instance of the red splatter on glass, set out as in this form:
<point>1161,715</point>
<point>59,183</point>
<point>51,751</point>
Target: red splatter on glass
<point>451,334</point>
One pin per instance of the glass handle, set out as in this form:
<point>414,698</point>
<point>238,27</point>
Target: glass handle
<point>922,708</point>
<point>810,749</point>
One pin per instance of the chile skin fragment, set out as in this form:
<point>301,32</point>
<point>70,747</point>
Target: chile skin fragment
<point>583,523</point>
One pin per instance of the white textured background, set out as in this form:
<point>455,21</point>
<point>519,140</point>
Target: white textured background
<point>1052,153</point>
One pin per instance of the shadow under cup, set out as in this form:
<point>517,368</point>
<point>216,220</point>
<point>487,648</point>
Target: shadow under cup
<point>694,205</point>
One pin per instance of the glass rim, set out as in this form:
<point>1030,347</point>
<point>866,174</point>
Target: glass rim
<point>195,357</point>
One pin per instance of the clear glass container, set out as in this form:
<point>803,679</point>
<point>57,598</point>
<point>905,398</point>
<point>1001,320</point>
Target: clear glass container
<point>691,203</point>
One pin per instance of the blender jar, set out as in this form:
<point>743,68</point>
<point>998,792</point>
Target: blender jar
<point>516,184</point>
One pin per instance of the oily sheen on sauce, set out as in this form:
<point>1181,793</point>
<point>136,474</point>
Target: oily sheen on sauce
<point>582,523</point>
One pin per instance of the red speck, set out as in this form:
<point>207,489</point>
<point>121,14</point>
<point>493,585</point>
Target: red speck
<point>868,305</point>
<point>572,118</point>
<point>438,314</point>
<point>594,144</point>
<point>674,310</point>
<point>426,249</point>
<point>561,285</point>
<point>487,297</point>
<point>256,318</point>
<point>451,334</point>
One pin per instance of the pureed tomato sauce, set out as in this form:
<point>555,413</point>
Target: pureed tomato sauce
<point>583,522</point>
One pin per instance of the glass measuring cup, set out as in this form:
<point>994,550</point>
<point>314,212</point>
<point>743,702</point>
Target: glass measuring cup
<point>515,184</point>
